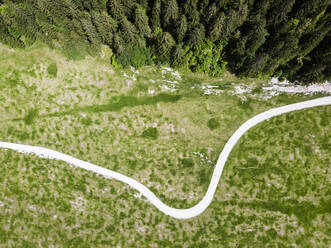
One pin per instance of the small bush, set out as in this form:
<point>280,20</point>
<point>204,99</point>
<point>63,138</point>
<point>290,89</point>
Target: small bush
<point>87,121</point>
<point>14,79</point>
<point>187,162</point>
<point>206,57</point>
<point>30,116</point>
<point>110,229</point>
<point>52,70</point>
<point>134,55</point>
<point>150,133</point>
<point>203,176</point>
<point>213,123</point>
<point>114,63</point>
<point>245,105</point>
<point>324,121</point>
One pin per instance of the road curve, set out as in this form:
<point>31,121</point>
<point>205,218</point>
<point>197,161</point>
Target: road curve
<point>206,200</point>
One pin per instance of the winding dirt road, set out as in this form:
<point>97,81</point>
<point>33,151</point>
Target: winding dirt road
<point>206,200</point>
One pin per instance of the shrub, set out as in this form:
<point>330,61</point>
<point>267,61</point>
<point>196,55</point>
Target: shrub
<point>150,132</point>
<point>213,123</point>
<point>14,79</point>
<point>187,162</point>
<point>206,58</point>
<point>30,116</point>
<point>203,176</point>
<point>87,121</point>
<point>52,70</point>
<point>133,55</point>
<point>114,62</point>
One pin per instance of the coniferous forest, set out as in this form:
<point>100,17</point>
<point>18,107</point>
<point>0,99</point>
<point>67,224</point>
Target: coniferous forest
<point>250,38</point>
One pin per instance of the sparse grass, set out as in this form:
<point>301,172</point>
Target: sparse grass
<point>276,174</point>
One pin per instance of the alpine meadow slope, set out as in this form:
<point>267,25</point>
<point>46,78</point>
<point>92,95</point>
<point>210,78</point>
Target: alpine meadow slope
<point>164,128</point>
<point>173,212</point>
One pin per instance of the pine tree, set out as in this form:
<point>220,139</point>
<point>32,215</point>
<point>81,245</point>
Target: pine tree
<point>211,13</point>
<point>170,11</point>
<point>189,8</point>
<point>315,67</point>
<point>164,44</point>
<point>197,35</point>
<point>203,5</point>
<point>216,27</point>
<point>181,28</point>
<point>118,43</point>
<point>90,30</point>
<point>141,21</point>
<point>105,25</point>
<point>116,9</point>
<point>178,57</point>
<point>129,31</point>
<point>235,18</point>
<point>156,15</point>
<point>278,11</point>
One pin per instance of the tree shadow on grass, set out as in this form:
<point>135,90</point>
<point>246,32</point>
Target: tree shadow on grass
<point>115,104</point>
<point>304,211</point>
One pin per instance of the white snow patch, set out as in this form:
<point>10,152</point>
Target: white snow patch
<point>207,92</point>
<point>128,82</point>
<point>167,88</point>
<point>102,54</point>
<point>170,72</point>
<point>211,86</point>
<point>203,157</point>
<point>32,207</point>
<point>276,81</point>
<point>276,87</point>
<point>58,45</point>
<point>209,89</point>
<point>166,68</point>
<point>241,89</point>
<point>176,74</point>
<point>151,92</point>
<point>141,229</point>
<point>170,82</point>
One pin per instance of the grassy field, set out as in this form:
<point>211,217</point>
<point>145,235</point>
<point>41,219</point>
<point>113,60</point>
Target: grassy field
<point>165,130</point>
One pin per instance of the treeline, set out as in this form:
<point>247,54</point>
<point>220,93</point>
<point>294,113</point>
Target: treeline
<point>251,38</point>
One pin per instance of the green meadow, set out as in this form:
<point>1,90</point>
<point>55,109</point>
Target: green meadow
<point>162,128</point>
